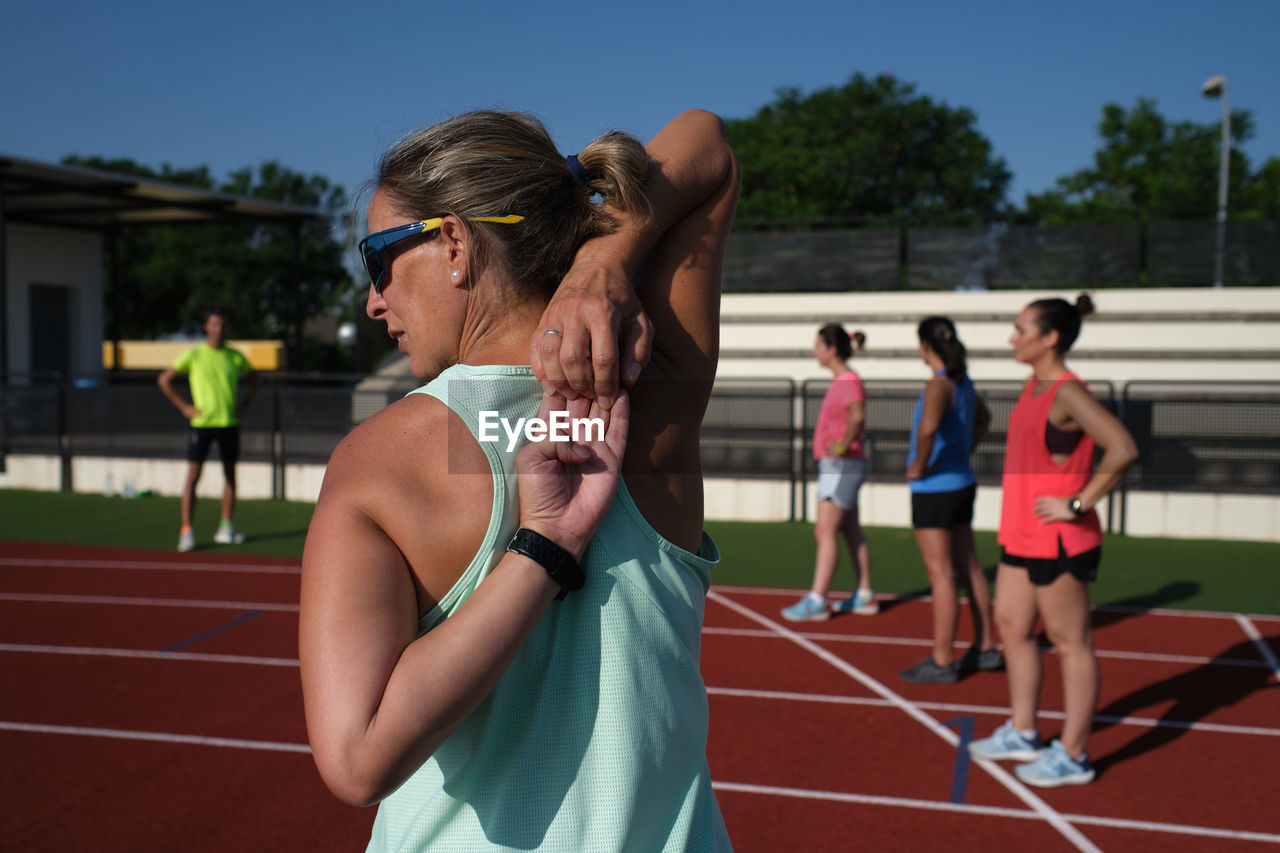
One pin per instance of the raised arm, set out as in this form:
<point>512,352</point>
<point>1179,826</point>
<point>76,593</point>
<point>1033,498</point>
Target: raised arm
<point>692,191</point>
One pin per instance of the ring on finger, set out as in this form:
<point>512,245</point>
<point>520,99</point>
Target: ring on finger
<point>555,332</point>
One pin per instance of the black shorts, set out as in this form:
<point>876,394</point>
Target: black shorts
<point>1044,571</point>
<point>227,439</point>
<point>943,509</point>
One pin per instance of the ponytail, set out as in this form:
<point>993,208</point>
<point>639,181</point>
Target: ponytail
<point>1061,316</point>
<point>493,163</point>
<point>834,335</point>
<point>940,335</point>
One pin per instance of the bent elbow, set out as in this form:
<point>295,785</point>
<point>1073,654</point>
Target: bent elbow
<point>352,795</point>
<point>346,779</point>
<point>1120,455</point>
<point>714,147</point>
<point>1130,452</point>
<point>352,788</point>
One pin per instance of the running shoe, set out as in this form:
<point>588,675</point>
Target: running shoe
<point>927,671</point>
<point>979,660</point>
<point>863,602</point>
<point>807,610</point>
<point>187,540</point>
<point>228,535</point>
<point>1055,767</point>
<point>1007,745</point>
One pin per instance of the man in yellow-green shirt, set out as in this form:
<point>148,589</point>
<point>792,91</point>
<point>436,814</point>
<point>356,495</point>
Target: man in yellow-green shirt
<point>214,371</point>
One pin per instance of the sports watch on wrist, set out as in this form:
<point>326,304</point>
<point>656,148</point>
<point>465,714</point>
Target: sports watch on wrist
<point>1077,508</point>
<point>558,562</point>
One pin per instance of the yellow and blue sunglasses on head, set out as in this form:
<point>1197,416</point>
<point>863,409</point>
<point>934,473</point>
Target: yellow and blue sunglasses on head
<point>372,247</point>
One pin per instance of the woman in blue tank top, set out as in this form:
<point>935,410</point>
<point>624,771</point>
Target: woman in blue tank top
<point>499,644</point>
<point>948,422</point>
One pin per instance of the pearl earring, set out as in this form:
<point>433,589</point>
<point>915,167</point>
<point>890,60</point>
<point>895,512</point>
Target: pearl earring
<point>456,273</point>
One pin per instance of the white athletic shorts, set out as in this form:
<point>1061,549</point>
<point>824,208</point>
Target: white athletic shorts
<point>839,479</point>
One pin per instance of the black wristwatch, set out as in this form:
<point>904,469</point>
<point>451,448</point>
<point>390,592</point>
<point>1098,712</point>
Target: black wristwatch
<point>1077,508</point>
<point>558,562</point>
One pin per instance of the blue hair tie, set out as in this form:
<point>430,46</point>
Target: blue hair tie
<point>575,169</point>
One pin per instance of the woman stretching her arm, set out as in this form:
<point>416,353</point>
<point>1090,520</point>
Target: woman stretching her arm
<point>501,648</point>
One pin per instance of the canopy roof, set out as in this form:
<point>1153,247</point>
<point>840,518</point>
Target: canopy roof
<point>70,197</point>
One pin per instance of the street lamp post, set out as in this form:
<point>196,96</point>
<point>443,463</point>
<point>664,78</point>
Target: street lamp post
<point>1214,87</point>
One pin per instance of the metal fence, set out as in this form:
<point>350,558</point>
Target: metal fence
<point>819,256</point>
<point>1204,437</point>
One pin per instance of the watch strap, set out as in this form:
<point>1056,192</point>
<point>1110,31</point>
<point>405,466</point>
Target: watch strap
<point>558,562</point>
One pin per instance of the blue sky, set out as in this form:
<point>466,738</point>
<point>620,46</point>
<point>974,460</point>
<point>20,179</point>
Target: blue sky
<point>325,86</point>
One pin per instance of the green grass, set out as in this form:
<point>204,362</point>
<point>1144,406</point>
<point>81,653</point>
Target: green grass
<point>1190,574</point>
<point>274,528</point>
<point>1142,572</point>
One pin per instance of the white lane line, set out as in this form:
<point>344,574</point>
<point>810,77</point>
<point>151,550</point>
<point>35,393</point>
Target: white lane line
<point>159,737</point>
<point>145,654</point>
<point>1105,608</point>
<point>874,800</point>
<point>1251,631</point>
<point>1178,828</point>
<point>994,811</point>
<point>821,637</point>
<point>147,602</point>
<point>1039,806</point>
<point>44,563</point>
<point>899,802</point>
<point>993,710</point>
<point>773,695</point>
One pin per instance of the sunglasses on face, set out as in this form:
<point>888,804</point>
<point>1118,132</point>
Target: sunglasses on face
<point>372,247</point>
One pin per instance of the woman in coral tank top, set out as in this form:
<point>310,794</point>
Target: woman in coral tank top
<point>1051,543</point>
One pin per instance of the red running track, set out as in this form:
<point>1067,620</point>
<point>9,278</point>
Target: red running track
<point>152,701</point>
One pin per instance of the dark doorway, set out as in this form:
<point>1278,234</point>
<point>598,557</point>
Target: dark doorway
<point>50,330</point>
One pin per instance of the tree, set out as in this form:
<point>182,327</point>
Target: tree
<point>1149,163</point>
<point>163,276</point>
<point>1262,193</point>
<point>872,147</point>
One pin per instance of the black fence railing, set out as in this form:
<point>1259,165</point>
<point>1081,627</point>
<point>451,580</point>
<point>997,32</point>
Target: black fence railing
<point>1192,436</point>
<point>1149,249</point>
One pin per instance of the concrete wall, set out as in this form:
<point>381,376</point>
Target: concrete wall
<point>63,258</point>
<point>1174,515</point>
<point>1178,515</point>
<point>1203,334</point>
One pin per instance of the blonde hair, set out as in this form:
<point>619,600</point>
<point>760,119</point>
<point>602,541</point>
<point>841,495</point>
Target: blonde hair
<point>495,163</point>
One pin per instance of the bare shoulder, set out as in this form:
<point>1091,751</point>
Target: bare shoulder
<point>1073,395</point>
<point>412,476</point>
<point>938,385</point>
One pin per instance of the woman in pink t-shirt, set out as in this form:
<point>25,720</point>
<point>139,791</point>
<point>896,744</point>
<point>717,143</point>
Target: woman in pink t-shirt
<point>842,469</point>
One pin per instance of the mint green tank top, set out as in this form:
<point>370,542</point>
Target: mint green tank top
<point>595,738</point>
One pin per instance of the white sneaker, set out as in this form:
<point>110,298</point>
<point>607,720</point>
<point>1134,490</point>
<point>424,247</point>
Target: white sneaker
<point>187,541</point>
<point>228,535</point>
<point>1007,744</point>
